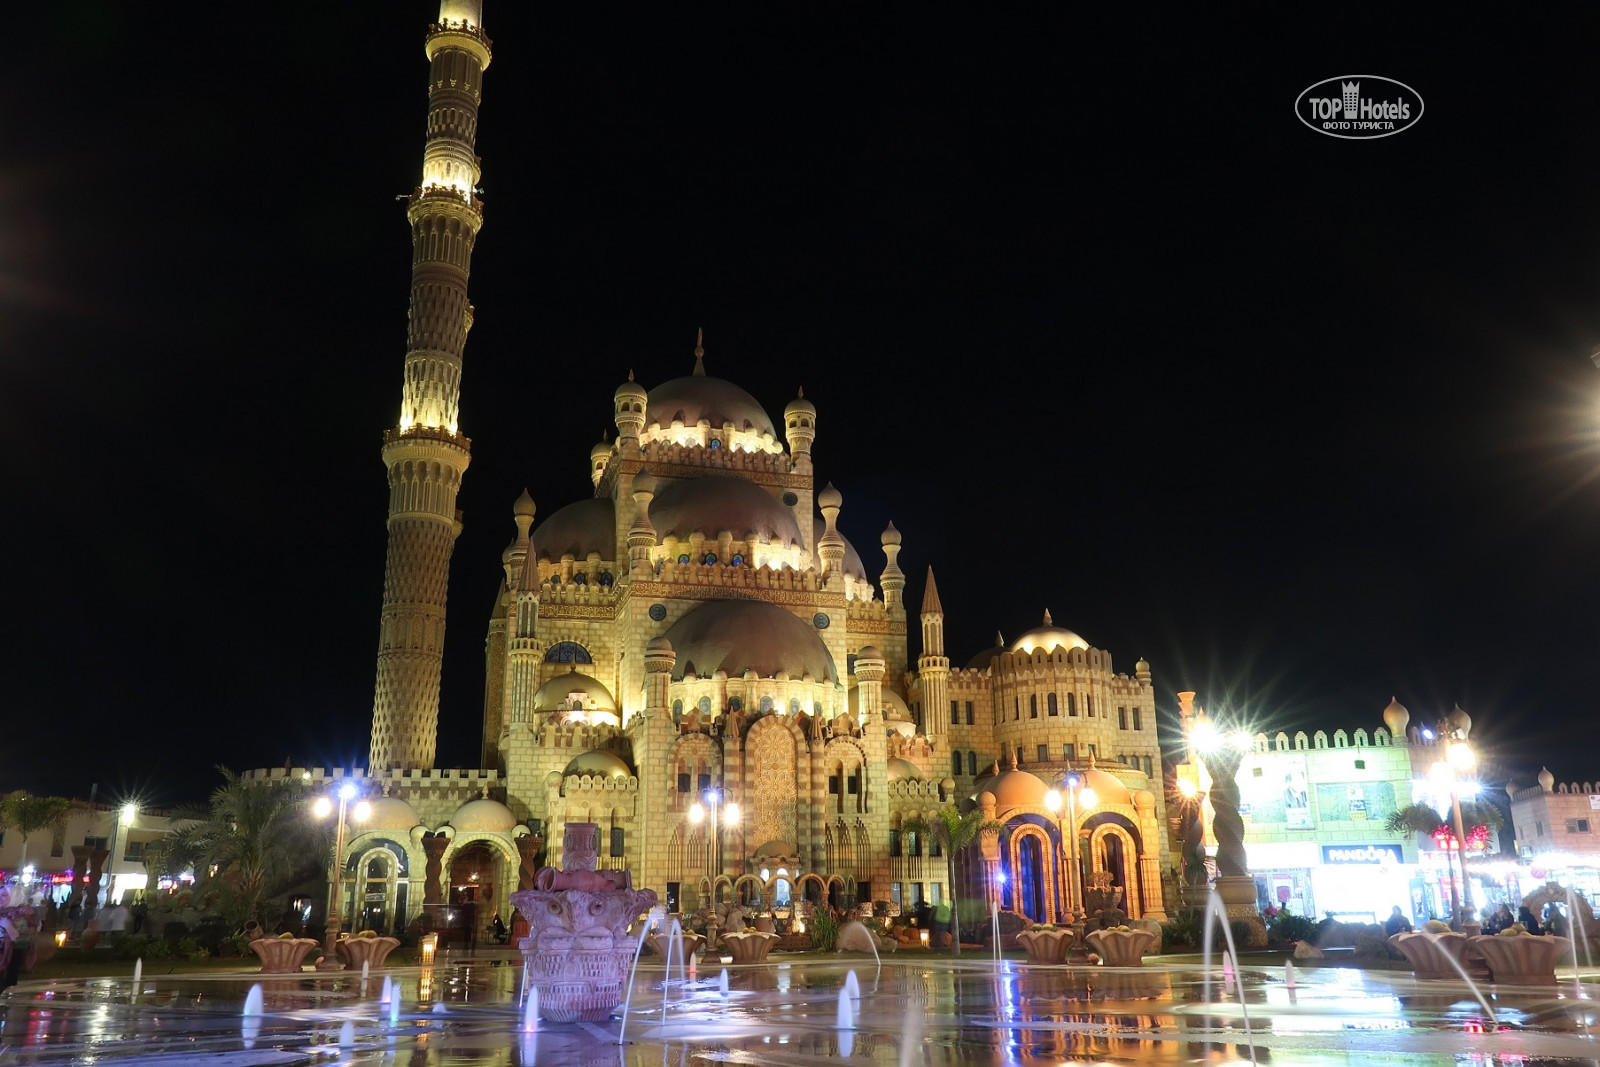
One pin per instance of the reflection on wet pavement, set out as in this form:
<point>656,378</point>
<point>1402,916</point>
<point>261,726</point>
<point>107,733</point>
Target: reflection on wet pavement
<point>924,1012</point>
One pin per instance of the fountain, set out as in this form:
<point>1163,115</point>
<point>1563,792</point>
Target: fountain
<point>577,946</point>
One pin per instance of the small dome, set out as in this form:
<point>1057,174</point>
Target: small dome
<point>711,505</point>
<point>1047,637</point>
<point>895,707</point>
<point>981,661</point>
<point>601,449</point>
<point>1547,781</point>
<point>869,652</point>
<point>594,761</point>
<point>630,390</point>
<point>1017,789</point>
<point>800,406</point>
<point>739,635</point>
<point>483,815</point>
<point>390,813</point>
<point>902,769</point>
<point>658,644</point>
<point>698,396</point>
<point>1108,788</point>
<point>1460,722</point>
<point>1395,717</point>
<point>890,535</point>
<point>573,692</point>
<point>524,505</point>
<point>852,559</point>
<point>576,530</point>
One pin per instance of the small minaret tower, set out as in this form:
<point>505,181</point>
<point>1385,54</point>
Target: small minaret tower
<point>933,665</point>
<point>426,454</point>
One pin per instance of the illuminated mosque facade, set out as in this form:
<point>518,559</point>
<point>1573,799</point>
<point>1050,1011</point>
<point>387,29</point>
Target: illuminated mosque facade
<point>697,659</point>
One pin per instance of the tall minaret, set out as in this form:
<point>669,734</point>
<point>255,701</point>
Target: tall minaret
<point>426,453</point>
<point>933,666</point>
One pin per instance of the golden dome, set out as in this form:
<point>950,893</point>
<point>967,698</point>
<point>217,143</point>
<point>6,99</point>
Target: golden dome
<point>483,815</point>
<point>390,813</point>
<point>1046,638</point>
<point>1017,789</point>
<point>594,761</point>
<point>901,768</point>
<point>719,402</point>
<point>739,635</point>
<point>713,504</point>
<point>577,530</point>
<point>559,693</point>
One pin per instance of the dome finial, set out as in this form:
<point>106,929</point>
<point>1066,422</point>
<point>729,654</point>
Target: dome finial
<point>700,352</point>
<point>802,392</point>
<point>630,374</point>
<point>1047,621</point>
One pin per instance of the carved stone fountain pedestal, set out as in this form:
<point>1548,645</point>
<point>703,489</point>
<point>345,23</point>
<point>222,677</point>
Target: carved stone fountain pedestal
<point>578,950</point>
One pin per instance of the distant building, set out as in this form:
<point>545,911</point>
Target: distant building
<point>1557,828</point>
<point>50,863</point>
<point>1315,808</point>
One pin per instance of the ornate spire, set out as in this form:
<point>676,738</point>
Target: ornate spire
<point>700,352</point>
<point>1047,621</point>
<point>930,594</point>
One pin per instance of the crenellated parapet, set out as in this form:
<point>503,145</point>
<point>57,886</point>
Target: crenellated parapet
<point>915,794</point>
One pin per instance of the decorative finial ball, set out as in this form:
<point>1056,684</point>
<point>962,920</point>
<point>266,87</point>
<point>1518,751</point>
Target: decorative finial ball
<point>829,497</point>
<point>524,505</point>
<point>890,536</point>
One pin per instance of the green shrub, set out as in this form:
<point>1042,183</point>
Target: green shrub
<point>189,949</point>
<point>158,950</point>
<point>132,947</point>
<point>1287,929</point>
<point>824,932</point>
<point>1240,929</point>
<point>1183,930</point>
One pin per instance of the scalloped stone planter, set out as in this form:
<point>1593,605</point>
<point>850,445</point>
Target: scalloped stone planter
<point>1046,946</point>
<point>688,944</point>
<point>1122,948</point>
<point>1430,955</point>
<point>1522,959</point>
<point>372,951</point>
<point>749,947</point>
<point>282,955</point>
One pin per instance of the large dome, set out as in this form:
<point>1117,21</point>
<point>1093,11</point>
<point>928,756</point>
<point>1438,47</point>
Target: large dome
<point>696,397</point>
<point>559,693</point>
<point>578,529</point>
<point>739,635</point>
<point>711,505</point>
<point>1047,638</point>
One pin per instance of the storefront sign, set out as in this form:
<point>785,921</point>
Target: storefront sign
<point>1343,854</point>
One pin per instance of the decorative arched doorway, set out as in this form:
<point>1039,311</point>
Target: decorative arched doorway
<point>1032,859</point>
<point>1114,847</point>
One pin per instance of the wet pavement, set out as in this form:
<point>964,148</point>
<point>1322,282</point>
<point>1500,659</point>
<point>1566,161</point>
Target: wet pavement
<point>925,1011</point>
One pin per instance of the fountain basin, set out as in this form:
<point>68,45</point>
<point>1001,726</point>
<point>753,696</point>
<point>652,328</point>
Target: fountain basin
<point>688,944</point>
<point>1436,957</point>
<point>282,955</point>
<point>1048,945</point>
<point>1122,948</point>
<point>749,947</point>
<point>372,951</point>
<point>1522,959</point>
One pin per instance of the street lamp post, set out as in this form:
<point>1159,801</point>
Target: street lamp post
<point>730,817</point>
<point>323,808</point>
<point>125,816</point>
<point>1078,795</point>
<point>1458,759</point>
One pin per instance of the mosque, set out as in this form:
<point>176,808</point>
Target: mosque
<point>698,659</point>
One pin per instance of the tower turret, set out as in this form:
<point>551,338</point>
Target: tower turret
<point>933,666</point>
<point>830,546</point>
<point>599,457</point>
<point>426,454</point>
<point>800,427</point>
<point>628,404</point>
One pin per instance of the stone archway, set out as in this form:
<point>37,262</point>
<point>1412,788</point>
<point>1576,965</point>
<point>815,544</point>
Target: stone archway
<point>1116,849</point>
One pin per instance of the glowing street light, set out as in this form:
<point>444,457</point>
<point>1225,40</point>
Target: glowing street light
<point>125,816</point>
<point>1079,797</point>
<point>1458,760</point>
<point>323,808</point>
<point>730,816</point>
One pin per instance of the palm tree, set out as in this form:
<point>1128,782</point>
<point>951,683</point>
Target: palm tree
<point>1422,819</point>
<point>28,814</point>
<point>953,832</point>
<point>251,841</point>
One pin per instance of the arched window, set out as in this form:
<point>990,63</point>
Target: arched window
<point>766,705</point>
<point>704,704</point>
<point>972,763</point>
<point>735,704</point>
<point>955,763</point>
<point>794,705</point>
<point>1033,705</point>
<point>567,652</point>
<point>1051,705</point>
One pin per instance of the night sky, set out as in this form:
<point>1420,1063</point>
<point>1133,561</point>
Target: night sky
<point>1083,308</point>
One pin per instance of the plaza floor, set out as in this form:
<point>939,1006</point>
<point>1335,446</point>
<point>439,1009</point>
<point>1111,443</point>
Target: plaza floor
<point>922,1011</point>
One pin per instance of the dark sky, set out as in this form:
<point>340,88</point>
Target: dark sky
<point>1083,308</point>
